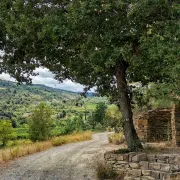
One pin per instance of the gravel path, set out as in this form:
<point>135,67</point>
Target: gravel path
<point>74,161</point>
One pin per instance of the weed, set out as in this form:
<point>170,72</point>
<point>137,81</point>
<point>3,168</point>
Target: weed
<point>104,172</point>
<point>116,138</point>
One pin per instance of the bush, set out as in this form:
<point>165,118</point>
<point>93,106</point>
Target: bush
<point>40,123</point>
<point>116,138</point>
<point>6,131</point>
<point>104,172</point>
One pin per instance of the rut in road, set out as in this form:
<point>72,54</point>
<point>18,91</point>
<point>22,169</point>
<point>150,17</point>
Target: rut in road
<point>74,161</point>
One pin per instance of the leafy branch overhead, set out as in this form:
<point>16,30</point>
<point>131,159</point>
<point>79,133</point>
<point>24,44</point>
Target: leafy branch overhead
<point>101,43</point>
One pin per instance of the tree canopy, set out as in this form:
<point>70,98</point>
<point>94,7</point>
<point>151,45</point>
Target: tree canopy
<point>102,43</point>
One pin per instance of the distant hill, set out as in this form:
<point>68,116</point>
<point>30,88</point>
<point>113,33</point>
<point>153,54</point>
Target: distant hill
<point>15,100</point>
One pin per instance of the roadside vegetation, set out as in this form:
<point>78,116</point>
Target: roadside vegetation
<point>27,147</point>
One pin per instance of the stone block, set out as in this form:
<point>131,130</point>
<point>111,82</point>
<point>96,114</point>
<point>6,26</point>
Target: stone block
<point>154,166</point>
<point>165,167</point>
<point>121,163</point>
<point>170,177</point>
<point>139,157</point>
<point>144,165</point>
<point>120,158</point>
<point>155,174</point>
<point>151,158</point>
<point>171,159</point>
<point>162,158</point>
<point>146,172</point>
<point>134,165</point>
<point>135,172</point>
<point>175,168</point>
<point>177,160</point>
<point>147,178</point>
<point>126,157</point>
<point>131,154</point>
<point>128,178</point>
<point>163,175</point>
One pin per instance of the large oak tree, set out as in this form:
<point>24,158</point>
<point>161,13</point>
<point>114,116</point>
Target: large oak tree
<point>101,43</point>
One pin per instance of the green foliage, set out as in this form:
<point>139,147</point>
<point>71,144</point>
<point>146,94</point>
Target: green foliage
<point>6,131</point>
<point>40,122</point>
<point>153,96</point>
<point>144,33</point>
<point>97,117</point>
<point>99,113</point>
<point>22,133</point>
<point>113,118</point>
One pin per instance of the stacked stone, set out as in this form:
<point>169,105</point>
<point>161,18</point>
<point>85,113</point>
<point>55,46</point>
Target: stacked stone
<point>144,166</point>
<point>177,123</point>
<point>141,125</point>
<point>159,125</point>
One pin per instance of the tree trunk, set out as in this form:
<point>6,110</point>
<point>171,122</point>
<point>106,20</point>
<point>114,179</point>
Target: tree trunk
<point>124,99</point>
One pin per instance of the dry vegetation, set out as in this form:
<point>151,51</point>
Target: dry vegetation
<point>26,149</point>
<point>104,172</point>
<point>116,138</point>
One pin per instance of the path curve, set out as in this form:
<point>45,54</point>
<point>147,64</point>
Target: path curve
<point>74,161</point>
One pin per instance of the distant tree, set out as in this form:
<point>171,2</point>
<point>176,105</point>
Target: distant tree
<point>113,118</point>
<point>6,131</point>
<point>97,117</point>
<point>40,122</point>
<point>99,113</point>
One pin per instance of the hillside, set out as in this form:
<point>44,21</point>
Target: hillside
<point>17,101</point>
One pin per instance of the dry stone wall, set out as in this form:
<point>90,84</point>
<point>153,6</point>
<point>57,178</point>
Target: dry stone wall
<point>176,120</point>
<point>142,166</point>
<point>159,125</point>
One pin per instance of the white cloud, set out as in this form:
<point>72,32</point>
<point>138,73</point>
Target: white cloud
<point>47,78</point>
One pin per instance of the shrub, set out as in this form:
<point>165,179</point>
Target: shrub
<point>40,123</point>
<point>6,131</point>
<point>104,172</point>
<point>116,138</point>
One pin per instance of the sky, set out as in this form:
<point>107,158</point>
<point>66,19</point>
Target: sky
<point>47,78</point>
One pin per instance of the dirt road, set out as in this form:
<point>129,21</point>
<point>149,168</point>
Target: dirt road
<point>74,161</point>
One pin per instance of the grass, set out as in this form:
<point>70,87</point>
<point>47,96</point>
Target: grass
<point>104,172</point>
<point>21,150</point>
<point>75,137</point>
<point>116,138</point>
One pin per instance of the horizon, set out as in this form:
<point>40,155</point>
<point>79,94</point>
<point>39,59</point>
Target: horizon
<point>46,77</point>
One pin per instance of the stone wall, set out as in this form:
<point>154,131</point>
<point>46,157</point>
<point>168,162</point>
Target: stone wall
<point>141,125</point>
<point>159,125</point>
<point>142,166</point>
<point>176,120</point>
